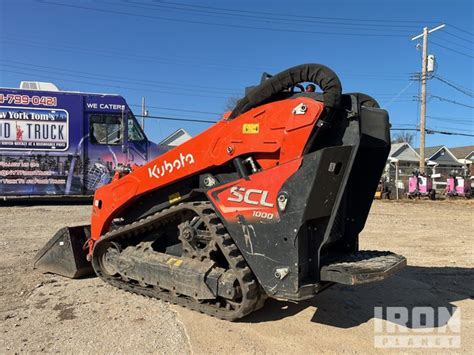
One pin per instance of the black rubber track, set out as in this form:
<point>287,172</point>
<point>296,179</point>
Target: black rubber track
<point>252,294</point>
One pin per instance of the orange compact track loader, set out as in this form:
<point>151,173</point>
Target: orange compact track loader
<point>268,202</point>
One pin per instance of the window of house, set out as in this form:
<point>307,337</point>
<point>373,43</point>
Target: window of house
<point>105,129</point>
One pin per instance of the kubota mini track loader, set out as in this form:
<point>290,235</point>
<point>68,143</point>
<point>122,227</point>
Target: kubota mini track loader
<point>268,202</point>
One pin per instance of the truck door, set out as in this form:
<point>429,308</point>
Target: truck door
<point>106,148</point>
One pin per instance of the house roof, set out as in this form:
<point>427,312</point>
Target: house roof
<point>462,152</point>
<point>396,147</point>
<point>437,154</point>
<point>404,152</point>
<point>430,151</point>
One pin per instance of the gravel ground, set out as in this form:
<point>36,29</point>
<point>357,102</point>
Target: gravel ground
<point>47,313</point>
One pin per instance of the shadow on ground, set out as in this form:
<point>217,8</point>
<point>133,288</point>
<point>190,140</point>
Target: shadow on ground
<point>349,306</point>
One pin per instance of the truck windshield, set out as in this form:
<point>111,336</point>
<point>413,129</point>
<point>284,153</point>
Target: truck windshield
<point>135,132</point>
<point>105,129</point>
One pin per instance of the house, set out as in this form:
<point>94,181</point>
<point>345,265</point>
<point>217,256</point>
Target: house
<point>401,163</point>
<point>465,155</point>
<point>404,154</point>
<point>442,161</point>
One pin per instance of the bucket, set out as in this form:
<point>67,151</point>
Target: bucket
<point>64,254</point>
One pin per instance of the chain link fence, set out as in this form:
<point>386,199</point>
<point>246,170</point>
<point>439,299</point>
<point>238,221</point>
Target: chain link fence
<point>400,179</point>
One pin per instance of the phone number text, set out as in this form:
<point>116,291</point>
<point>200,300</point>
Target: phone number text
<point>28,100</point>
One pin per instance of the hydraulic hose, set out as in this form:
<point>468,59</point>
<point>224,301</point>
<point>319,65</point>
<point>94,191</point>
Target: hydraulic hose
<point>319,74</point>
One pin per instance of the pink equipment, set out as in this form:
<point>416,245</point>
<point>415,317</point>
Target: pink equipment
<point>421,185</point>
<point>458,186</point>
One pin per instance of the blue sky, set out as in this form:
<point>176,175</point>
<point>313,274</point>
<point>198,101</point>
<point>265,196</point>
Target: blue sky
<point>187,57</point>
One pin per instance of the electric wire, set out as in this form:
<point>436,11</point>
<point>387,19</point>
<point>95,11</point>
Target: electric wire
<point>440,98</point>
<point>218,24</point>
<point>451,49</point>
<point>454,86</point>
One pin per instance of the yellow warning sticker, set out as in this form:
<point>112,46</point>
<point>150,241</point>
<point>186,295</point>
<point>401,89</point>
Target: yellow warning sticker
<point>174,197</point>
<point>174,262</point>
<point>178,262</point>
<point>251,128</point>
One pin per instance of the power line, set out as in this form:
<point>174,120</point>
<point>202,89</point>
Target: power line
<point>452,50</point>
<point>187,93</point>
<point>428,131</point>
<point>454,122</point>
<point>232,13</point>
<point>448,127</point>
<point>128,80</point>
<point>432,131</point>
<point>450,101</point>
<point>399,94</point>
<point>94,77</point>
<point>467,119</point>
<point>378,76</point>
<point>462,30</point>
<point>63,47</point>
<point>458,37</point>
<point>116,53</point>
<point>449,41</point>
<point>177,119</point>
<point>177,109</point>
<point>281,14</point>
<point>454,86</point>
<point>272,29</point>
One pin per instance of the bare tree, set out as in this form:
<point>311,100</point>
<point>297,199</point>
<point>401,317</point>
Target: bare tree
<point>231,103</point>
<point>404,137</point>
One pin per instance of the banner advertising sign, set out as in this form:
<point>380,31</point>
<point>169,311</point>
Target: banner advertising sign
<point>33,128</point>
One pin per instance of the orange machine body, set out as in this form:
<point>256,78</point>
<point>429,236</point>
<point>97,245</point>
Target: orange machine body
<point>274,134</point>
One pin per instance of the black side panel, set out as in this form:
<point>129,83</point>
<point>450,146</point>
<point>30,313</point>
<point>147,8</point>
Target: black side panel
<point>375,128</point>
<point>270,247</point>
<point>368,166</point>
<point>366,171</point>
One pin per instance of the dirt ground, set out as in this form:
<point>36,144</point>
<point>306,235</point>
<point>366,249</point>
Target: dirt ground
<point>47,313</point>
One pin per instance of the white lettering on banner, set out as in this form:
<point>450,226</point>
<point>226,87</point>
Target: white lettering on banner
<point>96,106</point>
<point>167,168</point>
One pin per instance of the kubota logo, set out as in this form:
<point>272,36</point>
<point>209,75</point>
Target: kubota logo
<point>250,196</point>
<point>167,168</point>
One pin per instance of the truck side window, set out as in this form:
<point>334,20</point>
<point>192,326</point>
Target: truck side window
<point>105,129</point>
<point>135,133</point>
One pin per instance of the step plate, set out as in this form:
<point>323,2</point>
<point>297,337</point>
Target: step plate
<point>361,267</point>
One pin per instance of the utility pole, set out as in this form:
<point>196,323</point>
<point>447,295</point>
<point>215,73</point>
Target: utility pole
<point>424,66</point>
<point>143,114</point>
